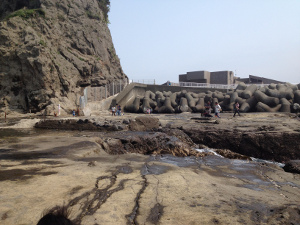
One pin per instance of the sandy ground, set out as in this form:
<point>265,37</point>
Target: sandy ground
<point>41,169</point>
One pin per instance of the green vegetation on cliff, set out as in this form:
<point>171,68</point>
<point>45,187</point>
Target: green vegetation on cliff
<point>27,13</point>
<point>105,7</point>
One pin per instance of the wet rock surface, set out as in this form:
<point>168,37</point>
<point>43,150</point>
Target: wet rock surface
<point>277,147</point>
<point>266,136</point>
<point>139,189</point>
<point>42,168</point>
<point>231,155</point>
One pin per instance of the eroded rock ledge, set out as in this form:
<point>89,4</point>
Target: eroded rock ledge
<point>146,135</point>
<point>279,147</point>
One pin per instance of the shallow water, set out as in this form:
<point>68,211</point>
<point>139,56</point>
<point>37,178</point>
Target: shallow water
<point>267,161</point>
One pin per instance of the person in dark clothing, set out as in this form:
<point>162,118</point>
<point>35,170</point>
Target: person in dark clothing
<point>236,108</point>
<point>207,110</point>
<point>119,110</point>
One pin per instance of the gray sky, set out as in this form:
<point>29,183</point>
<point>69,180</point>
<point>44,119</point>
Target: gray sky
<point>160,39</point>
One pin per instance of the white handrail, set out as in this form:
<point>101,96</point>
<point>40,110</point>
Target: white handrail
<point>215,86</point>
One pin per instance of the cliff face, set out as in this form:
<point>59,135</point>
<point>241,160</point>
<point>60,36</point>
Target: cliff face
<point>50,50</point>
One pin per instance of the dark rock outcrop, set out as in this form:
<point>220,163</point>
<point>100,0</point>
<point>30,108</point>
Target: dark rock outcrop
<point>279,147</point>
<point>232,155</point>
<point>50,50</point>
<point>148,143</point>
<point>79,124</point>
<point>292,166</point>
<point>144,123</point>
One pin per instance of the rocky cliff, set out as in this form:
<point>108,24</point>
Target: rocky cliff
<point>50,50</point>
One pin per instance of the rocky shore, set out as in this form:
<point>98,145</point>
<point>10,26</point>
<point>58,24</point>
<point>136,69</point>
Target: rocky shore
<point>271,136</point>
<point>148,169</point>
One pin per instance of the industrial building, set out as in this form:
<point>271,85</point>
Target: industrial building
<point>206,77</point>
<point>222,77</point>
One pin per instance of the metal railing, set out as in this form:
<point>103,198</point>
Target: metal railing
<point>143,81</point>
<point>215,86</point>
<point>204,85</point>
<point>92,94</point>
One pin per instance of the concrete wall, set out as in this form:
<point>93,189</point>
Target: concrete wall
<point>221,77</point>
<point>161,88</point>
<point>197,75</point>
<point>183,78</point>
<point>134,89</point>
<point>257,80</point>
<point>129,93</point>
<point>262,80</point>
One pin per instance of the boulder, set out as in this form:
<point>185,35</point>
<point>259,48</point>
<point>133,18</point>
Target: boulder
<point>248,92</point>
<point>297,96</point>
<point>144,123</point>
<point>183,107</point>
<point>292,166</point>
<point>149,143</point>
<point>199,106</point>
<point>272,86</point>
<point>134,106</point>
<point>248,105</point>
<point>167,107</point>
<point>173,100</point>
<point>150,95</point>
<point>241,86</point>
<point>270,101</point>
<point>261,107</point>
<point>146,104</point>
<point>285,105</point>
<point>190,99</point>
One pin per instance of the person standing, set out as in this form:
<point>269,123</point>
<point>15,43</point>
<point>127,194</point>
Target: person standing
<point>217,110</point>
<point>113,111</point>
<point>236,108</point>
<point>207,110</point>
<point>59,109</point>
<point>119,110</point>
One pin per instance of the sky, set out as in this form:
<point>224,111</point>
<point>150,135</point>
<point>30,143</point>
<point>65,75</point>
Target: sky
<point>160,39</point>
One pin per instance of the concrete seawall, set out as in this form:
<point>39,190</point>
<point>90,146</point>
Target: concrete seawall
<point>135,89</point>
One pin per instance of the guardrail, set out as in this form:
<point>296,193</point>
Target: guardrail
<point>216,86</point>
<point>100,93</point>
<point>143,81</point>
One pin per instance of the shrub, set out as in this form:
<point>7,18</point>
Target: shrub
<point>91,15</point>
<point>61,18</point>
<point>105,7</point>
<point>43,43</point>
<point>27,13</point>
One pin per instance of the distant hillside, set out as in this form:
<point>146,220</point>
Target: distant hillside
<point>50,50</point>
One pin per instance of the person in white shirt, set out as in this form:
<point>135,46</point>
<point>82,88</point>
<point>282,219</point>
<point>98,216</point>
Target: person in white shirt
<point>217,110</point>
<point>113,111</point>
